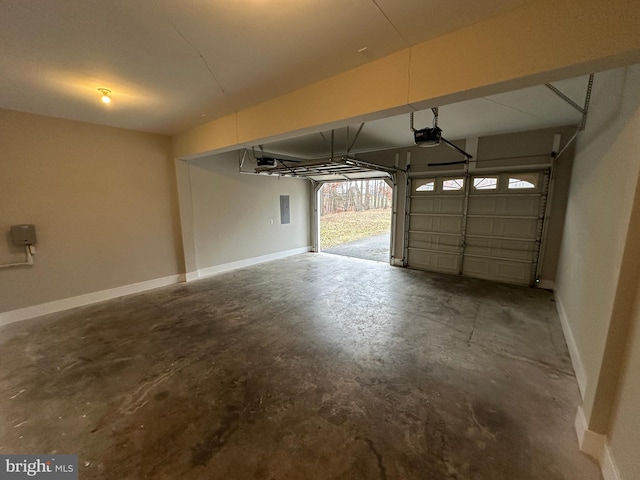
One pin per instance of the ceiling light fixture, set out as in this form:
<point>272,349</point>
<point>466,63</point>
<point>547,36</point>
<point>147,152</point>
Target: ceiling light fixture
<point>105,95</point>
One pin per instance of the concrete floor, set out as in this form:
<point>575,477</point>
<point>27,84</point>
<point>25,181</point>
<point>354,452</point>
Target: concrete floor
<point>313,367</point>
<point>371,248</point>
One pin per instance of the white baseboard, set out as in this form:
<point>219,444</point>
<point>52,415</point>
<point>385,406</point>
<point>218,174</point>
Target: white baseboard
<point>227,267</point>
<point>608,466</point>
<point>591,443</point>
<point>81,300</point>
<point>397,262</point>
<point>574,353</point>
<point>596,446</point>
<point>191,276</point>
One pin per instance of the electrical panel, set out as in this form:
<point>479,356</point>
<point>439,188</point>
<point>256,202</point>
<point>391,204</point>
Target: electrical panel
<point>23,234</point>
<point>285,216</point>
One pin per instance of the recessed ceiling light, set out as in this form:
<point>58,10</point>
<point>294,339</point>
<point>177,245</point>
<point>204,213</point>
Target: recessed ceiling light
<point>105,95</point>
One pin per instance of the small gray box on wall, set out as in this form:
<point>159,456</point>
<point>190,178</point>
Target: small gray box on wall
<point>285,216</point>
<point>23,234</point>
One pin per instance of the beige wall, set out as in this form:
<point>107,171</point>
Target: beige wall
<point>605,173</point>
<point>232,212</point>
<point>624,436</point>
<point>103,201</point>
<point>616,407</point>
<point>599,267</point>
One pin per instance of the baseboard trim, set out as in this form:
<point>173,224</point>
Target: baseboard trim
<point>608,466</point>
<point>595,445</point>
<point>227,267</point>
<point>574,353</point>
<point>591,443</point>
<point>191,276</point>
<point>89,298</point>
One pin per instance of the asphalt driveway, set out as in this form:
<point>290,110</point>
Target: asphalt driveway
<point>371,248</point>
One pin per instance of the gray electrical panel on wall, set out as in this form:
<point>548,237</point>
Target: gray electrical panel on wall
<point>285,216</point>
<point>23,234</point>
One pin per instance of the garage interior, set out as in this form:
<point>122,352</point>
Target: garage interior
<point>285,370</point>
<point>171,315</point>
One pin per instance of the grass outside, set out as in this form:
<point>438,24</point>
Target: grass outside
<point>338,228</point>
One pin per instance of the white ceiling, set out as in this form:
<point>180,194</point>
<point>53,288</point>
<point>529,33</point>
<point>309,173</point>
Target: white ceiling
<point>174,64</point>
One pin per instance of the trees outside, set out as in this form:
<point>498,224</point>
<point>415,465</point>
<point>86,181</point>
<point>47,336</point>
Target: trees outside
<point>355,196</point>
<point>353,210</point>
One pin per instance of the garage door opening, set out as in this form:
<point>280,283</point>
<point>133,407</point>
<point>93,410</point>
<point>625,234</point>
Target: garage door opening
<point>355,219</point>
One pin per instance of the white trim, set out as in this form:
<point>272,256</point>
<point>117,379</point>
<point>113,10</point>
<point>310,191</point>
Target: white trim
<point>227,267</point>
<point>190,276</point>
<point>591,443</point>
<point>595,445</point>
<point>608,466</point>
<point>574,353</point>
<point>89,298</point>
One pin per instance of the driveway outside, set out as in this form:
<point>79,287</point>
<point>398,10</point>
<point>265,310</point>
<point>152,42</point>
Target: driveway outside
<point>371,248</point>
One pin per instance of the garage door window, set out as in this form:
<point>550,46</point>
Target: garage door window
<point>523,181</point>
<point>426,186</point>
<point>485,183</point>
<point>452,184</point>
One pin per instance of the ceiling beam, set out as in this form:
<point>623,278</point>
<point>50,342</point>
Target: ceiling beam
<point>542,41</point>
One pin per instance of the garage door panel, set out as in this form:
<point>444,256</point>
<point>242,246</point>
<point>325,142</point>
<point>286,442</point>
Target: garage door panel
<point>504,205</point>
<point>434,241</point>
<point>498,270</point>
<point>496,238</point>
<point>433,223</point>
<point>493,247</point>
<point>434,261</point>
<point>447,205</point>
<point>502,227</point>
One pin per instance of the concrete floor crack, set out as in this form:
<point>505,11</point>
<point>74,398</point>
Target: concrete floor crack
<point>372,447</point>
<point>473,329</point>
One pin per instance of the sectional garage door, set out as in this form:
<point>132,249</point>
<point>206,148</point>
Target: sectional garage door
<point>483,225</point>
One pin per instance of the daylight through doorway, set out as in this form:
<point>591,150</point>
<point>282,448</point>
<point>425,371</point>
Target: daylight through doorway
<point>355,219</point>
